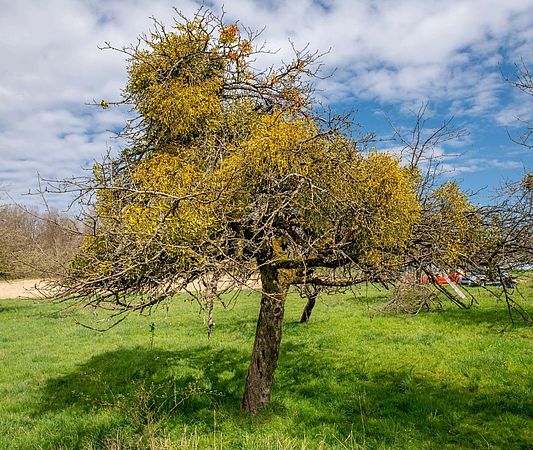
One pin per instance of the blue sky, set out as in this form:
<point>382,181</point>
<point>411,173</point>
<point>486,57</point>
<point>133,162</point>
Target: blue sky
<point>389,56</point>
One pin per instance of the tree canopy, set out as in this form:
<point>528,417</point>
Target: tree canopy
<point>229,169</point>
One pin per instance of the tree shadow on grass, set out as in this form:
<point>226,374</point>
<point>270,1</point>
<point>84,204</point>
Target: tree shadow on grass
<point>143,389</point>
<point>397,408</point>
<point>314,391</point>
<point>120,377</point>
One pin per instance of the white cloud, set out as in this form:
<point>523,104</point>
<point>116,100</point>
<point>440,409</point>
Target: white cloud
<point>515,113</point>
<point>397,50</point>
<point>471,165</point>
<point>390,51</point>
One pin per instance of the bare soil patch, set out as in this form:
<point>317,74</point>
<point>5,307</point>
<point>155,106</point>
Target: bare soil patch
<point>34,288</point>
<point>20,289</point>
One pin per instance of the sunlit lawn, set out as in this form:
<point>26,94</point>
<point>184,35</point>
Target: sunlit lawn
<point>351,378</point>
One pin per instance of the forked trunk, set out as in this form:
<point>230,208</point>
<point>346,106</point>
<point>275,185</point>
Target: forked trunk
<point>306,314</point>
<point>267,342</point>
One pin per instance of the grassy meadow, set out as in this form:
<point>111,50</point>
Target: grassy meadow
<point>352,378</point>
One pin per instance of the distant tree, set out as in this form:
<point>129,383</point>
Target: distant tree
<point>450,228</point>
<point>510,218</point>
<point>229,172</point>
<point>17,232</point>
<point>453,234</point>
<point>34,243</point>
<point>511,222</point>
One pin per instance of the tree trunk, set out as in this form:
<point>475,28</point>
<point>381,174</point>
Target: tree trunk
<point>267,342</point>
<point>306,314</point>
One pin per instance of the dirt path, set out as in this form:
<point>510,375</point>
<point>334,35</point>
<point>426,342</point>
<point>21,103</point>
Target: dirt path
<point>19,289</point>
<point>27,288</point>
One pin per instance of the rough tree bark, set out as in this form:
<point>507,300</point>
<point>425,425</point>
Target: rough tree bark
<point>267,341</point>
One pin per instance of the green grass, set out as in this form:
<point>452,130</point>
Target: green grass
<point>352,378</point>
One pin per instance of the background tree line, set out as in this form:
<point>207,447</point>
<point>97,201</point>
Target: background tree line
<point>36,243</point>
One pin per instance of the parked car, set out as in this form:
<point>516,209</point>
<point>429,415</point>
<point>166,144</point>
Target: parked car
<point>473,279</point>
<point>441,279</point>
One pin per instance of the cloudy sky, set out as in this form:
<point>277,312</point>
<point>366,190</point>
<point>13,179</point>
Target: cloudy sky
<point>388,56</point>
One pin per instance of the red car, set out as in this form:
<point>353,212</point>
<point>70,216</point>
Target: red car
<point>440,279</point>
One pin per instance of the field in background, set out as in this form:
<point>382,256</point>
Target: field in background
<point>352,378</point>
